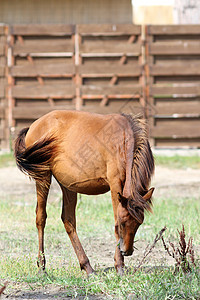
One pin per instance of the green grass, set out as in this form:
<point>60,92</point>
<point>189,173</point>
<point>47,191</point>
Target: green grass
<point>177,161</point>
<point>18,251</point>
<point>173,213</point>
<point>6,160</point>
<point>156,284</point>
<point>156,280</point>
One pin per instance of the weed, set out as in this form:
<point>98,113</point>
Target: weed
<point>149,249</point>
<point>183,253</point>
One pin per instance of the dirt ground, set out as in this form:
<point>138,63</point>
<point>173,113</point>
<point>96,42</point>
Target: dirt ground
<point>169,182</point>
<point>181,181</point>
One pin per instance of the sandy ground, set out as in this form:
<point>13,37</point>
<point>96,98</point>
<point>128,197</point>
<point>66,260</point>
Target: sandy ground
<point>169,182</point>
<point>181,182</point>
<point>15,183</point>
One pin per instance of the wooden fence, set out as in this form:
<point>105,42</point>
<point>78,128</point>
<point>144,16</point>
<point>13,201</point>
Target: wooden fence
<point>41,72</point>
<point>152,70</point>
<point>173,72</point>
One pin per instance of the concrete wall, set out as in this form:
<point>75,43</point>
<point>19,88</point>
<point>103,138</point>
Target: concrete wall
<point>65,11</point>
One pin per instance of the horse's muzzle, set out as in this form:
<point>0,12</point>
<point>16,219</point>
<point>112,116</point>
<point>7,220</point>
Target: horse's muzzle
<point>121,248</point>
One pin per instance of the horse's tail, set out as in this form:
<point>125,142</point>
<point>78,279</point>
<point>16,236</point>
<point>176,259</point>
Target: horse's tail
<point>142,164</point>
<point>35,160</point>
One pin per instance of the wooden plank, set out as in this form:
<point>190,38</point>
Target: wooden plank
<point>44,60</point>
<point>1,133</point>
<point>43,92</point>
<point>2,87</point>
<point>2,29</point>
<point>175,90</point>
<point>40,29</point>
<point>33,113</point>
<point>174,48</point>
<point>109,70</point>
<point>108,29</point>
<point>176,108</point>
<point>2,60</point>
<point>3,39</point>
<point>173,29</point>
<point>43,47</point>
<point>177,128</point>
<point>2,112</point>
<point>51,70</point>
<point>119,107</point>
<point>111,90</point>
<point>2,71</point>
<point>47,55</point>
<point>173,69</point>
<point>2,49</point>
<point>110,48</point>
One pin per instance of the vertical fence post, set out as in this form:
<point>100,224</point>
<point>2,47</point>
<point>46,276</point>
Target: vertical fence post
<point>143,77</point>
<point>78,103</point>
<point>4,132</point>
<point>10,62</point>
<point>148,84</point>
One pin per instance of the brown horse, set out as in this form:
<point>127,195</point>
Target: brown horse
<point>89,154</point>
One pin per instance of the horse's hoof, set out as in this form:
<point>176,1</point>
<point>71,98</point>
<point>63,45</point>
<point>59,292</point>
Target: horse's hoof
<point>92,273</point>
<point>120,271</point>
<point>42,272</point>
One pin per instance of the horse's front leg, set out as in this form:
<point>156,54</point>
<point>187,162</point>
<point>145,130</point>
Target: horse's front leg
<point>69,220</point>
<point>119,258</point>
<point>41,215</point>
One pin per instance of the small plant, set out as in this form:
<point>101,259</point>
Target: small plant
<point>149,248</point>
<point>183,253</point>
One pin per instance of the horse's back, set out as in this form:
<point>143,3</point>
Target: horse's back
<point>63,123</point>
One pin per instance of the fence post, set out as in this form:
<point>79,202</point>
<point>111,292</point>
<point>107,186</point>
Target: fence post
<point>10,62</point>
<point>148,83</point>
<point>4,132</point>
<point>78,104</point>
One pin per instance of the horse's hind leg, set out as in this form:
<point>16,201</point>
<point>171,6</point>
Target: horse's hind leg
<point>41,215</point>
<point>69,219</point>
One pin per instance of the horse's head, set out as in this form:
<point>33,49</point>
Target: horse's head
<point>130,217</point>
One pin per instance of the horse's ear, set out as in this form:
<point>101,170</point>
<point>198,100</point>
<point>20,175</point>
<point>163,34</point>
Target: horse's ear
<point>123,200</point>
<point>148,195</point>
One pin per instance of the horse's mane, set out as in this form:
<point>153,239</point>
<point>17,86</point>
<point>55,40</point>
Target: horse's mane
<point>142,165</point>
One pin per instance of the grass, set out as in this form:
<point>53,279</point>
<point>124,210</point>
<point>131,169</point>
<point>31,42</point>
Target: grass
<point>6,160</point>
<point>157,284</point>
<point>155,280</point>
<point>173,212</point>
<point>18,249</point>
<point>177,161</point>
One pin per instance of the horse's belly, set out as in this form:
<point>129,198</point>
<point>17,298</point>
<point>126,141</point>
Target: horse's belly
<point>90,186</point>
<point>90,179</point>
